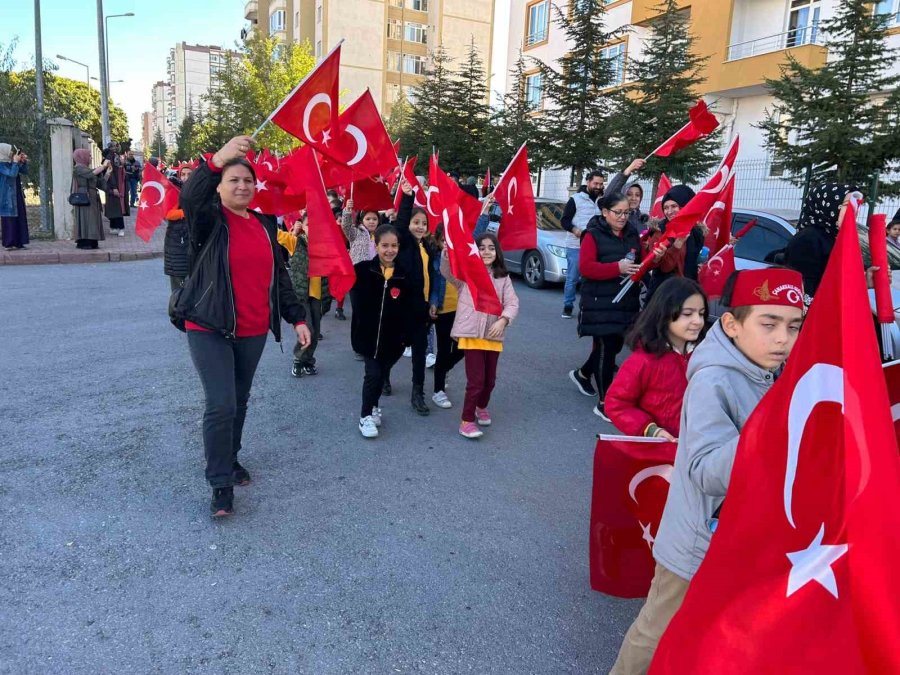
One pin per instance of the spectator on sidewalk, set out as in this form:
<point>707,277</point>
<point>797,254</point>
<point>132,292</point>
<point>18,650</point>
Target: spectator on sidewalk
<point>88,221</point>
<point>133,170</point>
<point>116,207</point>
<point>176,246</point>
<point>12,198</point>
<point>581,207</point>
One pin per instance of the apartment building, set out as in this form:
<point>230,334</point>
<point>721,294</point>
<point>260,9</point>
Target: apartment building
<point>146,129</point>
<point>191,71</point>
<point>386,42</point>
<point>159,118</point>
<point>746,42</point>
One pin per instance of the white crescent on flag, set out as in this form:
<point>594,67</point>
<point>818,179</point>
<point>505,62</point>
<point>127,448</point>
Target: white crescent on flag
<point>428,202</point>
<point>159,188</point>
<point>511,189</point>
<point>362,145</point>
<point>318,99</point>
<point>661,470</point>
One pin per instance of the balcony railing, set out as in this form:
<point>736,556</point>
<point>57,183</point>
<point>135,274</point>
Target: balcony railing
<point>251,10</point>
<point>797,37</point>
<point>533,38</point>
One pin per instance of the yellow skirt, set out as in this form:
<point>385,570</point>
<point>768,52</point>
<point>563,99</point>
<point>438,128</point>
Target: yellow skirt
<point>481,343</point>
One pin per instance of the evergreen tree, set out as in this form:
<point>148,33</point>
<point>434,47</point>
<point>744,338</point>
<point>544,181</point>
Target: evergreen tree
<point>184,139</point>
<point>655,103</point>
<point>429,124</point>
<point>396,121</point>
<point>514,123</point>
<point>158,147</point>
<point>833,121</point>
<point>468,114</point>
<point>577,124</point>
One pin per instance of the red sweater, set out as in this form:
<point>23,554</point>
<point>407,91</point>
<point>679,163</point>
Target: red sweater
<point>588,265</point>
<point>648,390</point>
<point>251,266</point>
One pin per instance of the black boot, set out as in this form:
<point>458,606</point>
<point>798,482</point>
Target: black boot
<point>240,475</point>
<point>386,389</point>
<point>222,503</point>
<point>417,399</point>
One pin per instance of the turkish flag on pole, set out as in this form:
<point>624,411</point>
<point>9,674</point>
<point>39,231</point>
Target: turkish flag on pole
<point>701,123</point>
<point>718,219</point>
<point>470,206</point>
<point>631,483</point>
<point>465,260</point>
<point>662,188</point>
<point>362,143</point>
<point>153,207</point>
<point>892,375</point>
<point>715,272</point>
<point>486,186</point>
<point>271,195</point>
<point>370,194</point>
<point>328,255</point>
<point>514,195</point>
<point>310,111</point>
<point>801,573</point>
<point>408,172</point>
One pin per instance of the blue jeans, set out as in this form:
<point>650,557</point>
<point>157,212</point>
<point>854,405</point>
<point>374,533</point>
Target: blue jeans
<point>132,190</point>
<point>573,276</point>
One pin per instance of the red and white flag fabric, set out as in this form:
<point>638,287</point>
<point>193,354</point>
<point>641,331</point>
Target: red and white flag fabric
<point>361,142</point>
<point>515,196</point>
<point>801,574</point>
<point>465,259</point>
<point>328,255</point>
<point>892,376</point>
<point>631,483</point>
<point>158,197</point>
<point>310,111</point>
<point>272,196</point>
<point>449,192</point>
<point>718,219</point>
<point>370,194</point>
<point>701,123</point>
<point>664,185</point>
<point>486,186</point>
<point>715,272</point>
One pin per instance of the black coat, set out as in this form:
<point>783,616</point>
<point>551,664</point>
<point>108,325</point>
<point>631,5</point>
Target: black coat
<point>598,314</point>
<point>808,252</point>
<point>207,298</point>
<point>382,311</point>
<point>410,260</point>
<point>176,249</point>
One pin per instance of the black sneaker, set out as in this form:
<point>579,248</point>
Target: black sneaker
<point>240,475</point>
<point>222,503</point>
<point>583,383</point>
<point>600,412</point>
<point>386,389</point>
<point>567,312</point>
<point>309,369</point>
<point>339,314</point>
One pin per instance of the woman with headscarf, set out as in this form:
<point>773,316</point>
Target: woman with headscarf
<point>12,198</point>
<point>88,223</point>
<point>633,192</point>
<point>116,205</point>
<point>820,219</point>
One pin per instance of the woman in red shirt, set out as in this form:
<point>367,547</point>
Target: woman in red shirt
<point>238,291</point>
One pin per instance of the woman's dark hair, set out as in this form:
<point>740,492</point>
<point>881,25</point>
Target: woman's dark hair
<point>651,330</point>
<point>498,267</point>
<point>608,201</point>
<point>639,188</point>
<point>363,214</point>
<point>416,211</point>
<point>239,161</point>
<point>382,230</point>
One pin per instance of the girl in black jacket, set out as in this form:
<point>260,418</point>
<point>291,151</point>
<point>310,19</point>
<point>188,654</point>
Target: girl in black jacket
<point>237,291</point>
<point>383,303</point>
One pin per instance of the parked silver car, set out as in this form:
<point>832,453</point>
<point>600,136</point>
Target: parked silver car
<point>547,262</point>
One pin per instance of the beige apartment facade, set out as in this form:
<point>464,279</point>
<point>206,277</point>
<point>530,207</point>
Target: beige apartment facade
<point>387,43</point>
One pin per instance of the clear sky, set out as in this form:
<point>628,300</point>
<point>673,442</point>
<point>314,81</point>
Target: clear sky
<point>138,46</point>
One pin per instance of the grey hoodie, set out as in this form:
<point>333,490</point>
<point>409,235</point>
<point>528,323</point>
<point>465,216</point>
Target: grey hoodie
<point>724,387</point>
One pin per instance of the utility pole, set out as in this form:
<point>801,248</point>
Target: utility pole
<point>44,188</point>
<point>104,92</point>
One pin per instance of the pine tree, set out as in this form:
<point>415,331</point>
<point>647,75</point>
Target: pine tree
<point>832,121</point>
<point>468,116</point>
<point>428,124</point>
<point>576,125</point>
<point>158,147</point>
<point>655,103</point>
<point>184,139</point>
<point>514,123</point>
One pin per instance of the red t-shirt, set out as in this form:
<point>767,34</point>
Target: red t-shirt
<point>250,262</point>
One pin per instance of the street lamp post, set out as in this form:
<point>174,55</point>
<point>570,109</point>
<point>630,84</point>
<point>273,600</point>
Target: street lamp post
<point>104,101</point>
<point>43,183</point>
<point>86,66</point>
<point>106,53</point>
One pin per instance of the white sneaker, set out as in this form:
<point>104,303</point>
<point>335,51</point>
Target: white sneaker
<point>441,401</point>
<point>407,352</point>
<point>376,416</point>
<point>430,360</point>
<point>367,427</point>
<point>121,233</point>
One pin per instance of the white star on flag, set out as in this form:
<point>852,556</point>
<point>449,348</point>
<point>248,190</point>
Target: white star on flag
<point>647,536</point>
<point>814,564</point>
<point>261,185</point>
<point>473,249</point>
<point>326,136</point>
<point>143,205</point>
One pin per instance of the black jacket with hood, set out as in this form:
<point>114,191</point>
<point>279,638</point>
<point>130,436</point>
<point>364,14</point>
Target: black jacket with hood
<point>382,311</point>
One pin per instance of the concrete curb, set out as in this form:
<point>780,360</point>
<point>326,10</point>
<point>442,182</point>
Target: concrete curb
<point>29,257</point>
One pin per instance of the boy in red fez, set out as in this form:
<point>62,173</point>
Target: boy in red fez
<point>728,374</point>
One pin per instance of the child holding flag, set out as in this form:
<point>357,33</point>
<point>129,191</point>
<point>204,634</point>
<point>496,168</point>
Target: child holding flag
<point>729,373</point>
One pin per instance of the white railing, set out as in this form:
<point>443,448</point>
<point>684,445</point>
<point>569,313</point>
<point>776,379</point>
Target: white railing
<point>808,35</point>
<point>537,36</point>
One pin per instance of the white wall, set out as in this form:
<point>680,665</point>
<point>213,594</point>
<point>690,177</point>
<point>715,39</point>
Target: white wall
<point>754,19</point>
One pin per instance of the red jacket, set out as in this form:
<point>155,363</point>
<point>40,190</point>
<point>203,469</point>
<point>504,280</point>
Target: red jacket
<point>648,390</point>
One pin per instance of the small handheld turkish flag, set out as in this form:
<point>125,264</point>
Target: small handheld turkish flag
<point>664,185</point>
<point>158,197</point>
<point>801,575</point>
<point>715,272</point>
<point>362,143</point>
<point>515,196</point>
<point>310,111</point>
<point>631,483</point>
<point>701,123</point>
<point>718,219</point>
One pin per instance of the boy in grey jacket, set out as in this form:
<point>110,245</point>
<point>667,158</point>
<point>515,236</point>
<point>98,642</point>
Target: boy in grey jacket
<point>728,374</point>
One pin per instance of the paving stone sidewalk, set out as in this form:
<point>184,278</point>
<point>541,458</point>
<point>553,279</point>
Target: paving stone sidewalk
<point>113,249</point>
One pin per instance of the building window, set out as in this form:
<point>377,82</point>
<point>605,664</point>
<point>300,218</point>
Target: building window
<point>615,54</point>
<point>534,85</point>
<point>394,29</point>
<point>319,14</point>
<point>394,93</point>
<point>889,7</point>
<point>397,3</point>
<point>406,63</point>
<point>803,23</point>
<point>537,22</point>
<point>318,48</point>
<point>276,21</point>
<point>415,32</point>
<point>296,21</point>
<point>418,5</point>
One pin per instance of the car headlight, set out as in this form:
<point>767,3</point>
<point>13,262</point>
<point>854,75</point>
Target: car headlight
<point>558,251</point>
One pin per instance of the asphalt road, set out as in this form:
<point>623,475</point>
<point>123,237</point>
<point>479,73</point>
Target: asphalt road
<point>419,552</point>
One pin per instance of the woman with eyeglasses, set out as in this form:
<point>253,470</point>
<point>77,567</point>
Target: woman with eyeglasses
<point>610,250</point>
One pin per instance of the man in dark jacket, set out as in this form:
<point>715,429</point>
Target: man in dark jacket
<point>133,170</point>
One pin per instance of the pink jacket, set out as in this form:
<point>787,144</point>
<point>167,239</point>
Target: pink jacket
<point>470,323</point>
